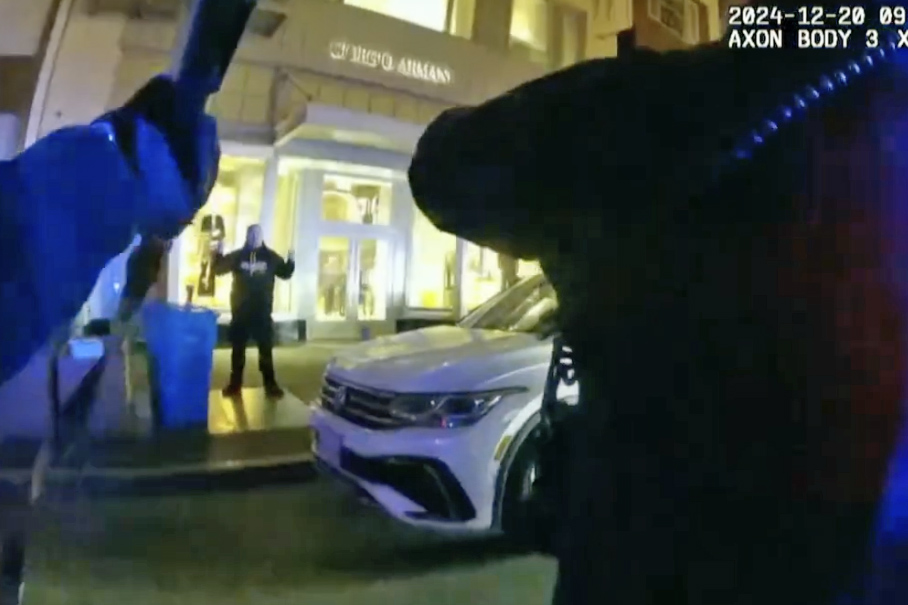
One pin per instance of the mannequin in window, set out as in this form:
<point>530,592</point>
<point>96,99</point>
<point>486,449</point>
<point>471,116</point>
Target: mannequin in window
<point>212,233</point>
<point>366,292</point>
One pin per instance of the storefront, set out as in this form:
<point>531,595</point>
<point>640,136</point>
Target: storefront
<point>368,262</point>
<point>319,115</point>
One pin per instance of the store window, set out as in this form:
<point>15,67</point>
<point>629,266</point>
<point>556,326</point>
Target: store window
<point>282,236</point>
<point>372,289</point>
<point>530,30</point>
<point>431,14</point>
<point>528,268</point>
<point>356,200</point>
<point>483,277</point>
<point>234,204</point>
<point>570,36</point>
<point>333,274</point>
<point>487,273</point>
<point>433,266</point>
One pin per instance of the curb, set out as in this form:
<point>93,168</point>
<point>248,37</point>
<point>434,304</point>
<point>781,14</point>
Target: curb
<point>243,478</point>
<point>115,483</point>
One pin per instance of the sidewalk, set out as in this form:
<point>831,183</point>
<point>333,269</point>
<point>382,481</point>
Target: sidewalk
<point>299,368</point>
<point>248,440</point>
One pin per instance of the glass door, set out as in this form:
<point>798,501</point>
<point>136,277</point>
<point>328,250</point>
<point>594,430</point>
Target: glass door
<point>334,270</point>
<point>353,283</point>
<point>372,271</point>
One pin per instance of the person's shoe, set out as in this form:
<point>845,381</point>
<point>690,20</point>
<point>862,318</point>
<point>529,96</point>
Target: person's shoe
<point>232,390</point>
<point>274,390</point>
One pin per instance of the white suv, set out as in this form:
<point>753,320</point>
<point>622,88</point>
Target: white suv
<point>436,426</point>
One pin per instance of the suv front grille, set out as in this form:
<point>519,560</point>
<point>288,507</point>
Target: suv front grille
<point>366,408</point>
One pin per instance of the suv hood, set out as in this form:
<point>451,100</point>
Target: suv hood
<point>438,359</point>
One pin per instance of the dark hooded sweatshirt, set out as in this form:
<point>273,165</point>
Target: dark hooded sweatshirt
<point>254,270</point>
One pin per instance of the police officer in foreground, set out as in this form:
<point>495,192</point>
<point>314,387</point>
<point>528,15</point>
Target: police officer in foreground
<point>730,260</point>
<point>76,198</point>
<point>254,267</point>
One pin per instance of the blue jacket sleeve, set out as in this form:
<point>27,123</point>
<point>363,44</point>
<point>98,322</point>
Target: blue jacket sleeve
<point>67,206</point>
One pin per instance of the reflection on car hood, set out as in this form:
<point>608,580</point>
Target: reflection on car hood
<point>438,359</point>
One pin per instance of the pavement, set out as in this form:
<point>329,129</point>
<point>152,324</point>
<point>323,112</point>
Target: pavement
<point>311,543</point>
<point>127,449</point>
<point>305,541</point>
<point>298,367</point>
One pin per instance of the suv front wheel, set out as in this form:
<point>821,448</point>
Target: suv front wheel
<point>527,516</point>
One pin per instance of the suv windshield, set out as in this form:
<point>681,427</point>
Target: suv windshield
<point>517,309</point>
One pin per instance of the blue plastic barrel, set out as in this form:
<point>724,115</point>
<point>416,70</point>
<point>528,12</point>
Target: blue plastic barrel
<point>180,342</point>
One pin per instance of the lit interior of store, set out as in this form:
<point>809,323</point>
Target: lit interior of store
<point>356,200</point>
<point>370,287</point>
<point>234,205</point>
<point>354,248</point>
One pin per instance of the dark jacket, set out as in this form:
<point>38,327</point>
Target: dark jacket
<point>254,270</point>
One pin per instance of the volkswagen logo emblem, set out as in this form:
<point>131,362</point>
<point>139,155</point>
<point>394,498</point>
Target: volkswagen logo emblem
<point>339,399</point>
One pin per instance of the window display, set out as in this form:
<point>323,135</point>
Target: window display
<point>284,231</point>
<point>373,280</point>
<point>234,204</point>
<point>530,29</point>
<point>528,268</point>
<point>333,270</point>
<point>356,200</point>
<point>430,14</point>
<point>431,283</point>
<point>482,276</point>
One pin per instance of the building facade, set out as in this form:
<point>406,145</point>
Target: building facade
<point>319,115</point>
<point>26,31</point>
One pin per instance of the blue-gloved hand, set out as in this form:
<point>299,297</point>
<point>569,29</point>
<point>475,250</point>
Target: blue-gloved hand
<point>156,111</point>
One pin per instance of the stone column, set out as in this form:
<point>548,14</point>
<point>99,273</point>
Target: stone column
<point>269,197</point>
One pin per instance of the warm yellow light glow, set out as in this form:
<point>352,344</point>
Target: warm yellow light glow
<point>527,268</point>
<point>284,230</point>
<point>462,13</point>
<point>432,266</point>
<point>373,280</point>
<point>427,13</point>
<point>234,203</point>
<point>356,200</point>
<point>333,272</point>
<point>482,277</point>
<point>529,23</point>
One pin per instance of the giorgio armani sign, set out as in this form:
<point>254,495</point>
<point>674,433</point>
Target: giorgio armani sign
<point>408,67</point>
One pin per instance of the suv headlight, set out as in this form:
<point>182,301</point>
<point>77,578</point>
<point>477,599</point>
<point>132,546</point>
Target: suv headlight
<point>448,410</point>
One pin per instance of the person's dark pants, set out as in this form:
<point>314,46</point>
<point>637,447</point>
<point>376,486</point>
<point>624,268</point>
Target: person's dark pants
<point>242,330</point>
